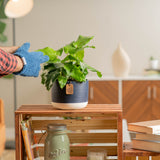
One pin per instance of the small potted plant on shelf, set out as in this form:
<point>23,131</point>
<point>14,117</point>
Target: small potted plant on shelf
<point>67,76</point>
<point>153,63</point>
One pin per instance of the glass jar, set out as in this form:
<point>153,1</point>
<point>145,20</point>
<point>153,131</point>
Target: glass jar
<point>56,145</point>
<point>96,154</point>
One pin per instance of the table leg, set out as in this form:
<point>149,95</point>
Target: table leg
<point>18,137</point>
<point>119,137</point>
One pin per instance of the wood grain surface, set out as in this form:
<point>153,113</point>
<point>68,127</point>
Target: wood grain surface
<point>137,102</point>
<point>2,128</point>
<point>77,124</point>
<point>98,114</point>
<point>131,154</point>
<point>86,137</point>
<point>156,99</point>
<point>103,92</point>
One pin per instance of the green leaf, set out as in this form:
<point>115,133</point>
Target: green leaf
<point>59,65</point>
<point>60,51</point>
<point>48,81</point>
<point>10,76</point>
<point>70,58</point>
<point>99,74</point>
<point>54,77</point>
<point>43,78</point>
<point>70,48</point>
<point>62,81</point>
<point>94,70</point>
<point>1,2</point>
<point>77,74</point>
<point>68,67</point>
<point>74,47</point>
<point>79,54</point>
<point>82,41</point>
<point>52,66</point>
<point>85,72</point>
<point>53,54</point>
<point>49,66</point>
<point>90,47</point>
<point>50,78</point>
<point>83,68</point>
<point>2,27</point>
<point>3,38</point>
<point>2,14</point>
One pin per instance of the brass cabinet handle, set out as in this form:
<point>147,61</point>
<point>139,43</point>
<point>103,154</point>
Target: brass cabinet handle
<point>91,93</point>
<point>154,92</point>
<point>149,92</point>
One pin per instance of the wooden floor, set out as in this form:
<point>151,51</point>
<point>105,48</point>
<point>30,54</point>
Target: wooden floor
<point>8,155</point>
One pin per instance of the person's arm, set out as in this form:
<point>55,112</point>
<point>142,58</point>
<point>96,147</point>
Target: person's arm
<point>9,63</point>
<point>21,62</point>
<point>11,49</point>
<point>19,66</point>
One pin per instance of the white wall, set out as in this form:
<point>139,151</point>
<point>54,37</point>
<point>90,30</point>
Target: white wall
<point>7,85</point>
<point>54,23</point>
<point>134,23</point>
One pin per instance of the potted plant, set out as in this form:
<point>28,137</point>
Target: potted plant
<point>153,63</point>
<point>67,75</point>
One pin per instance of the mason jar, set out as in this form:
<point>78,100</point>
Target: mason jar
<point>56,145</point>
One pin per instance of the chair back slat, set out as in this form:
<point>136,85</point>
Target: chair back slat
<point>1,112</point>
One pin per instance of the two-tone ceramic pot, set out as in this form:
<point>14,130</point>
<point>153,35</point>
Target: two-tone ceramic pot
<point>73,96</point>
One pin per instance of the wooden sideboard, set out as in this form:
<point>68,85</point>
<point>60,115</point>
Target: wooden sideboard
<point>103,92</point>
<point>140,99</point>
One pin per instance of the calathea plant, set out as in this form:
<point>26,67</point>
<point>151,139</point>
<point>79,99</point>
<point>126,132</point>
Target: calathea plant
<point>71,67</point>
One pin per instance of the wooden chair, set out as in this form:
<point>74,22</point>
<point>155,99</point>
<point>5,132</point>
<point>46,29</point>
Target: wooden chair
<point>2,128</point>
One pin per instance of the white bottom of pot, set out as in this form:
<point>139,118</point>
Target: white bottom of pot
<point>69,105</point>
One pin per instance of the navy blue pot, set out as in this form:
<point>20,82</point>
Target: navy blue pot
<point>77,100</point>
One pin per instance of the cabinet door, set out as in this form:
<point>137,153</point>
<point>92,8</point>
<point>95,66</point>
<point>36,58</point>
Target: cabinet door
<point>156,99</point>
<point>137,100</point>
<point>103,92</point>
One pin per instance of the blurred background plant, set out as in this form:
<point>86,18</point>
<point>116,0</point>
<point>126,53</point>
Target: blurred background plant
<point>3,37</point>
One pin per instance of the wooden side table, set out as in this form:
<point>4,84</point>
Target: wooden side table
<point>94,117</point>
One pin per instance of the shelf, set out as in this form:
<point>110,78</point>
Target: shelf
<point>94,117</point>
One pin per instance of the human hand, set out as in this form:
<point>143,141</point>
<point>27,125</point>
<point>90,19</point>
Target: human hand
<point>31,60</point>
<point>11,49</point>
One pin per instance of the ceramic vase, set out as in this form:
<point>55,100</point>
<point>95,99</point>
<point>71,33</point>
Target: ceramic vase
<point>121,62</point>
